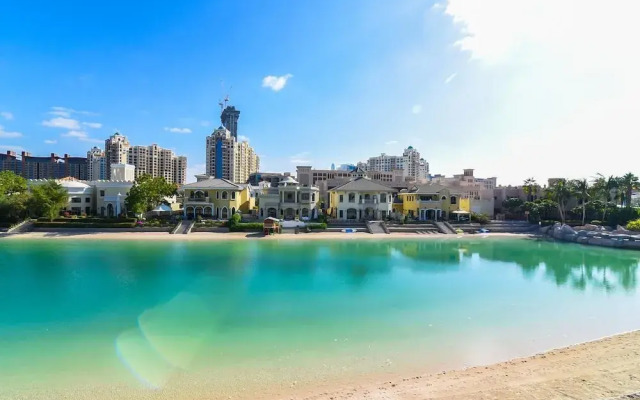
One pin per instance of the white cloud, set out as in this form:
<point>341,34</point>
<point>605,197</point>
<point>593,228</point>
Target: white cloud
<point>82,136</point>
<point>47,141</point>
<point>6,115</point>
<point>66,112</point>
<point>177,130</point>
<point>61,122</point>
<point>300,158</point>
<point>450,78</point>
<point>193,170</point>
<point>94,125</point>
<point>391,142</point>
<point>275,83</point>
<point>5,147</point>
<point>9,135</point>
<point>416,109</point>
<point>242,138</point>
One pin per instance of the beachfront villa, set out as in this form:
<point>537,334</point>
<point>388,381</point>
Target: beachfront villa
<point>361,199</point>
<point>289,200</point>
<point>216,198</point>
<point>427,202</point>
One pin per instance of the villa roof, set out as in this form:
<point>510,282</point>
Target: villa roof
<point>213,183</point>
<point>363,184</point>
<point>430,188</point>
<point>288,179</point>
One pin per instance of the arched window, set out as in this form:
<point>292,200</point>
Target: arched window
<point>305,212</point>
<point>454,200</point>
<point>233,210</point>
<point>217,195</point>
<point>224,195</point>
<point>225,213</point>
<point>444,197</point>
<point>352,197</point>
<point>206,194</point>
<point>233,195</point>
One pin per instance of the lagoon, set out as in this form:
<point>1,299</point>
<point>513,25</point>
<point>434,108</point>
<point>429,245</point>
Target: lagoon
<point>242,316</point>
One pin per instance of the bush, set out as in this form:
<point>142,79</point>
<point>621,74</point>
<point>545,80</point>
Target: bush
<point>480,218</point>
<point>90,220</point>
<point>634,225</point>
<point>596,222</point>
<point>317,226</point>
<point>245,226</point>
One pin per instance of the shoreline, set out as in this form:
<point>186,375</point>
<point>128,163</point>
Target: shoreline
<point>602,369</point>
<point>221,236</point>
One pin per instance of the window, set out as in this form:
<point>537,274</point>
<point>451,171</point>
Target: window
<point>383,197</point>
<point>224,195</point>
<point>313,197</point>
<point>233,195</point>
<point>352,197</point>
<point>217,195</point>
<point>341,213</point>
<point>454,200</point>
<point>341,199</point>
<point>102,193</point>
<point>304,196</point>
<point>87,200</point>
<point>76,200</point>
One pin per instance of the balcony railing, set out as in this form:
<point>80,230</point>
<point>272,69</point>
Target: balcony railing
<point>368,201</point>
<point>198,199</point>
<point>289,201</point>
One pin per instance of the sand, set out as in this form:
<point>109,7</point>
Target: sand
<point>199,236</point>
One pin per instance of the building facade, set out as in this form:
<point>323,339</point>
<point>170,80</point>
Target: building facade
<point>288,200</point>
<point>361,199</point>
<point>229,118</point>
<point>228,159</point>
<point>429,202</point>
<point>152,160</point>
<point>49,167</point>
<point>215,198</point>
<point>413,167</point>
<point>96,165</point>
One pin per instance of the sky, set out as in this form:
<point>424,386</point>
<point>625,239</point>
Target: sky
<point>512,88</point>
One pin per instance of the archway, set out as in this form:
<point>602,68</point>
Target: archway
<point>352,213</point>
<point>304,213</point>
<point>224,214</point>
<point>289,213</point>
<point>369,213</point>
<point>272,212</point>
<point>189,212</point>
<point>110,211</point>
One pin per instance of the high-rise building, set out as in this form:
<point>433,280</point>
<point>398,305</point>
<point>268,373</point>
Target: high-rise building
<point>51,167</point>
<point>226,158</point>
<point>116,151</point>
<point>151,160</point>
<point>385,163</point>
<point>229,119</point>
<point>96,165</point>
<point>10,162</point>
<point>158,162</point>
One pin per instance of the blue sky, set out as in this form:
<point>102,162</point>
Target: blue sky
<point>512,88</point>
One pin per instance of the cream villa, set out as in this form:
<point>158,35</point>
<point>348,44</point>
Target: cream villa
<point>289,200</point>
<point>361,198</point>
<point>216,198</point>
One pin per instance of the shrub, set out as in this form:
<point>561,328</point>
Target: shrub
<point>634,225</point>
<point>596,222</point>
<point>480,218</point>
<point>317,226</point>
<point>90,220</point>
<point>76,224</point>
<point>245,226</point>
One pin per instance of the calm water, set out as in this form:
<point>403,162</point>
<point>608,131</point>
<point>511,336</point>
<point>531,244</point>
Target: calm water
<point>140,314</point>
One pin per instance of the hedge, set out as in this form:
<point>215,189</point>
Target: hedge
<point>634,225</point>
<point>317,225</point>
<point>246,226</point>
<point>75,224</point>
<point>89,220</point>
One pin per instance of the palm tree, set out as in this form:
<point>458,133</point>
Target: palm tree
<point>560,192</point>
<point>628,183</point>
<point>607,190</point>
<point>580,189</point>
<point>530,188</point>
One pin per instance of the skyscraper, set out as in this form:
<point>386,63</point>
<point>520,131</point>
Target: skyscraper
<point>96,165</point>
<point>116,151</point>
<point>229,118</point>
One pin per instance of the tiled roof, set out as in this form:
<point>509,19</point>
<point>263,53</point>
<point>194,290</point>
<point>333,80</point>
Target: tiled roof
<point>427,189</point>
<point>363,184</point>
<point>213,183</point>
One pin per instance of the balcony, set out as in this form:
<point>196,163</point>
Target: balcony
<point>368,201</point>
<point>197,199</point>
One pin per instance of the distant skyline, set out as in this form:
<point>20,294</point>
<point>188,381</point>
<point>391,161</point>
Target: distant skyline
<point>511,88</point>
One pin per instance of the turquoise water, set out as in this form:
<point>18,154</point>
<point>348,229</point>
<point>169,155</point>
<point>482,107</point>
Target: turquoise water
<point>145,314</point>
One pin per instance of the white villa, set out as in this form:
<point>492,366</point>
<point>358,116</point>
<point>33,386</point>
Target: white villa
<point>361,199</point>
<point>289,200</point>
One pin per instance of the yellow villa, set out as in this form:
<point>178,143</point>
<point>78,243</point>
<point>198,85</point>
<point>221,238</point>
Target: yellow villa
<point>427,202</point>
<point>216,198</point>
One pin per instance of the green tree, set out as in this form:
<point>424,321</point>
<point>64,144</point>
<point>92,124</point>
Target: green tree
<point>513,205</point>
<point>580,189</point>
<point>628,183</point>
<point>48,199</point>
<point>606,189</point>
<point>530,188</point>
<point>10,183</point>
<point>560,192</point>
<point>147,192</point>
<point>13,196</point>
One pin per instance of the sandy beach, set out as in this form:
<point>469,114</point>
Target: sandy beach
<point>205,236</point>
